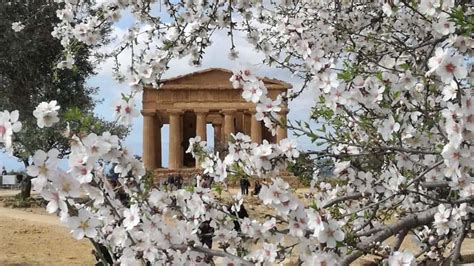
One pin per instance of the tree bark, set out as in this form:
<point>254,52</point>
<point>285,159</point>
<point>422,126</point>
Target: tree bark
<point>25,187</point>
<point>406,223</point>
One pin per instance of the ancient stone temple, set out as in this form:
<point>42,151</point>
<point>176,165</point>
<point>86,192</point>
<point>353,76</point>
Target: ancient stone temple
<point>188,103</point>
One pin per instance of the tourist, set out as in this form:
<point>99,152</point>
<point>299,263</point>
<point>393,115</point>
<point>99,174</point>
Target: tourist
<point>244,186</point>
<point>171,181</point>
<point>178,181</point>
<point>205,235</point>
<point>206,231</point>
<point>257,188</point>
<point>205,181</point>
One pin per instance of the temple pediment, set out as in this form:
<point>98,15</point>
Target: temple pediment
<point>213,78</point>
<point>209,89</point>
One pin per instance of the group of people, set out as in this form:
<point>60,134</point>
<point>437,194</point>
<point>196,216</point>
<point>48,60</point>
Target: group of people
<point>174,181</point>
<point>245,185</point>
<point>204,181</point>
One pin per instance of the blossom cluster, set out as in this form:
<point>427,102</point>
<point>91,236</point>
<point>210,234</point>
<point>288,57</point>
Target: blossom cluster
<point>254,90</point>
<point>245,157</point>
<point>46,114</point>
<point>9,124</point>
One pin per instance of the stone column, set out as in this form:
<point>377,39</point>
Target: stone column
<point>201,122</point>
<point>229,126</point>
<point>255,128</point>
<point>247,122</point>
<point>175,138</point>
<point>282,132</point>
<point>217,136</point>
<point>158,126</point>
<point>149,139</point>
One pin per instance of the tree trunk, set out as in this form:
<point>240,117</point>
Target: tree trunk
<point>25,184</point>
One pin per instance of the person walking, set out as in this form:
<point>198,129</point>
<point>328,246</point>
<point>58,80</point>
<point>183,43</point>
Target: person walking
<point>244,186</point>
<point>257,188</point>
<point>179,181</point>
<point>247,186</point>
<point>171,182</point>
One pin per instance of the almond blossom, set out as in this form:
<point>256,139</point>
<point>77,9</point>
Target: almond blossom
<point>83,225</point>
<point>9,124</point>
<point>47,114</point>
<point>331,234</point>
<point>125,111</point>
<point>43,168</point>
<point>132,217</point>
<point>389,126</point>
<point>17,26</point>
<point>451,67</point>
<point>402,259</point>
<point>254,91</point>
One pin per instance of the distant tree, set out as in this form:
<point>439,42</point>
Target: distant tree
<point>303,168</point>
<point>28,76</point>
<point>306,167</point>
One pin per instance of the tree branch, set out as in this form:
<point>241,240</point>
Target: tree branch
<point>457,245</point>
<point>420,176</point>
<point>435,184</point>
<point>212,252</point>
<point>407,223</point>
<point>343,198</point>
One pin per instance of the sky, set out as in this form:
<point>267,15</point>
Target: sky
<point>215,56</point>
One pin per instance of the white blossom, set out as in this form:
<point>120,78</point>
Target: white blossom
<point>399,258</point>
<point>83,225</point>
<point>9,124</point>
<point>47,114</point>
<point>17,26</point>
<point>132,217</point>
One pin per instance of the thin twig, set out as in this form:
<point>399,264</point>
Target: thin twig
<point>343,198</point>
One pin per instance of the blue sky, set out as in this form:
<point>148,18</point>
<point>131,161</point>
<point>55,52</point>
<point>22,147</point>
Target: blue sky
<point>216,56</point>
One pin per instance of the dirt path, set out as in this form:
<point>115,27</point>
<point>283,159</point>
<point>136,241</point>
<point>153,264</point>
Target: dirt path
<point>28,215</point>
<point>8,192</point>
<point>30,237</point>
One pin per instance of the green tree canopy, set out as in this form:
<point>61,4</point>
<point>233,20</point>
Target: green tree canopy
<point>28,76</point>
